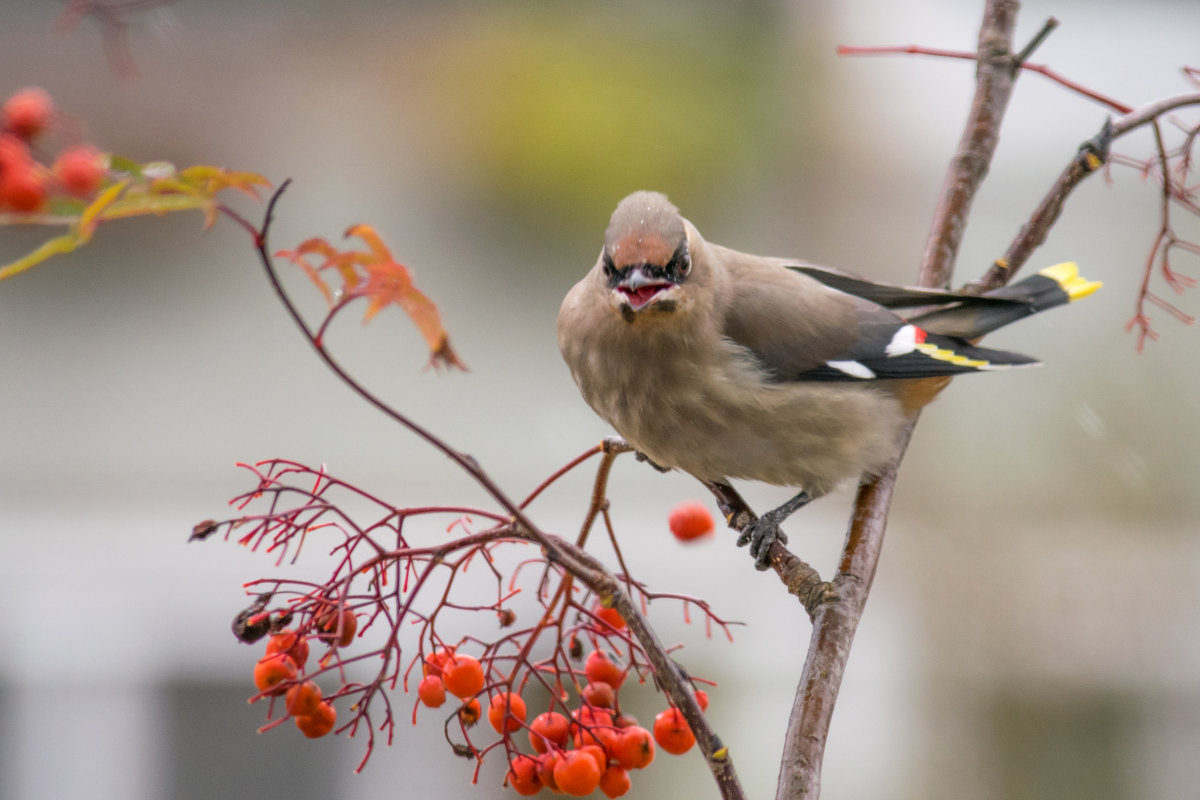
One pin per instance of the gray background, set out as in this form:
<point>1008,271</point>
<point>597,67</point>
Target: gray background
<point>1032,632</point>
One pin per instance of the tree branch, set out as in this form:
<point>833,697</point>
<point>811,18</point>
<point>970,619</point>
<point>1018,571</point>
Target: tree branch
<point>838,614</point>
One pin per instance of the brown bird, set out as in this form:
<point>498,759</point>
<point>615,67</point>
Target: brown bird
<point>729,365</point>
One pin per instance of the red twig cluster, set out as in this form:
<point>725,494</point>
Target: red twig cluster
<point>393,578</point>
<point>1171,168</point>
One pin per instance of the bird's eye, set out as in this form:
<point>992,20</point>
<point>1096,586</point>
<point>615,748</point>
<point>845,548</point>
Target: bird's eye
<point>610,269</point>
<point>681,261</point>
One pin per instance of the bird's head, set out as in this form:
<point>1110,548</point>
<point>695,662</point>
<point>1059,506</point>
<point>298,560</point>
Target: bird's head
<point>647,259</point>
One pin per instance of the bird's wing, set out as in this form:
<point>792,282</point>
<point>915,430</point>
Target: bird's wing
<point>801,328</point>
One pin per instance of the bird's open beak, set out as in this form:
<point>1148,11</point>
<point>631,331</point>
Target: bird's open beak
<point>639,289</point>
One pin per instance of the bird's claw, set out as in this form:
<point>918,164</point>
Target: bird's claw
<point>760,535</point>
<point>640,456</point>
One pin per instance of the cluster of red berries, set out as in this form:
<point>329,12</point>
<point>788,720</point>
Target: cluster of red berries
<point>277,673</point>
<point>25,182</point>
<point>593,746</point>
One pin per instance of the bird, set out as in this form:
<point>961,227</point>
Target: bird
<point>732,366</point>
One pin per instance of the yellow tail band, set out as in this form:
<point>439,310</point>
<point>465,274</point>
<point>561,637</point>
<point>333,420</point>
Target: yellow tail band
<point>1067,276</point>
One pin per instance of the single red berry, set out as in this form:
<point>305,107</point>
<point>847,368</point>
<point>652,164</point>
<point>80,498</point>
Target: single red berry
<point>272,670</point>
<point>320,722</point>
<point>690,520</point>
<point>577,773</point>
<point>79,170</point>
<point>291,643</point>
<point>14,153</point>
<point>614,781</point>
<point>523,775</point>
<point>672,733</point>
<point>27,112</point>
<point>610,616</point>
<point>434,662</point>
<point>634,748</point>
<point>545,769</point>
<point>506,712</point>
<point>343,626</point>
<point>592,725</point>
<point>302,699</point>
<point>598,754</point>
<point>549,727</point>
<point>599,694</point>
<point>702,699</point>
<point>599,668</point>
<point>463,676</point>
<point>431,691</point>
<point>23,190</point>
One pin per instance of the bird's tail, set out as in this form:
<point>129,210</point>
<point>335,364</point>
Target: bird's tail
<point>973,317</point>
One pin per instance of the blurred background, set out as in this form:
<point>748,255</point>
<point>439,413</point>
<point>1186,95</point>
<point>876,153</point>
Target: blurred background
<point>1033,629</point>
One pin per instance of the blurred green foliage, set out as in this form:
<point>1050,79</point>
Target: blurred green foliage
<point>562,112</point>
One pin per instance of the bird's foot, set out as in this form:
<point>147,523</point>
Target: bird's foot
<point>764,531</point>
<point>640,456</point>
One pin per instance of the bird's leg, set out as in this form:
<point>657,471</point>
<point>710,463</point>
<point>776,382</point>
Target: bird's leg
<point>764,531</point>
<point>640,456</point>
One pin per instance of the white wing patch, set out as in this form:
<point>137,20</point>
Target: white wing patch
<point>905,341</point>
<point>855,369</point>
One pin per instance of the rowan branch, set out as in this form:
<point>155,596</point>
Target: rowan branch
<point>838,614</point>
<point>570,556</point>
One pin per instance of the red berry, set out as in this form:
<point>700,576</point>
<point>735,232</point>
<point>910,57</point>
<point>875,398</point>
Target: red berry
<point>22,190</point>
<point>545,769</point>
<point>431,691</point>
<point>302,699</point>
<point>634,748</point>
<point>672,733</point>
<point>690,520</point>
<point>319,723</point>
<point>342,626</point>
<point>292,643</point>
<point>609,615</point>
<point>79,170</point>
<point>702,699</point>
<point>598,754</point>
<point>592,725</point>
<point>272,670</point>
<point>463,676</point>
<point>614,781</point>
<point>599,668</point>
<point>599,694</point>
<point>577,773</point>
<point>506,712</point>
<point>14,153</point>
<point>523,775</point>
<point>27,112</point>
<point>549,727</point>
<point>435,661</point>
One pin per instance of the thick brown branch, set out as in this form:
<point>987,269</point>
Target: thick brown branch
<point>994,82</point>
<point>838,614</point>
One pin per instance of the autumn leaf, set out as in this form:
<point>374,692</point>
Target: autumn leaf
<point>375,274</point>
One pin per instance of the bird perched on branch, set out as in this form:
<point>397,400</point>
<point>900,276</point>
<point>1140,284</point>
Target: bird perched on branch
<point>729,365</point>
